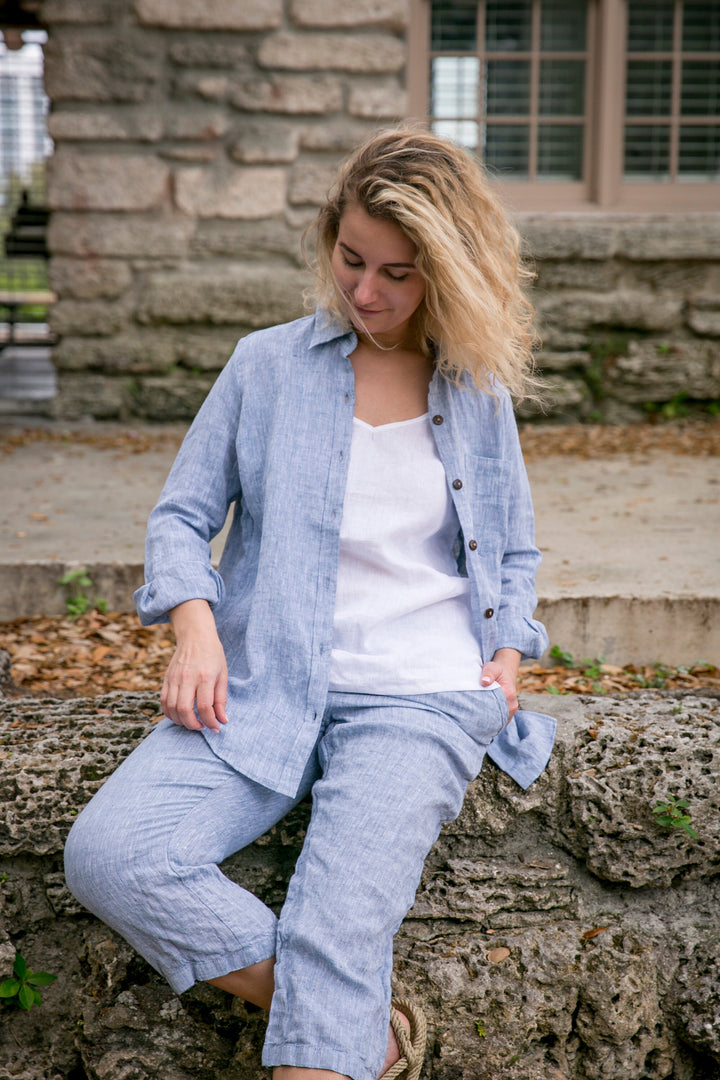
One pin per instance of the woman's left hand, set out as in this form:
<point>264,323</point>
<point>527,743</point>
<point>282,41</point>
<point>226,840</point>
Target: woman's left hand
<point>503,669</point>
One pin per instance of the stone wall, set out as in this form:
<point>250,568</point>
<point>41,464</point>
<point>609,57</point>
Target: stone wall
<point>558,933</point>
<point>194,140</point>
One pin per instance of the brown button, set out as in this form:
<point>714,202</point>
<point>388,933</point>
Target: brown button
<point>438,419</point>
<point>472,544</point>
<point>457,484</point>
<point>489,612</point>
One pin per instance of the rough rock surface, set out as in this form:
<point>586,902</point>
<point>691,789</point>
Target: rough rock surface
<point>558,933</point>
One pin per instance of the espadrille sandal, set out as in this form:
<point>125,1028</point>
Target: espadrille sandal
<point>411,1041</point>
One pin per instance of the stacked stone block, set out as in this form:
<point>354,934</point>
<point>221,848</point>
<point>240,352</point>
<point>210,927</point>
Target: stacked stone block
<point>193,144</point>
<point>194,141</point>
<point>628,312</point>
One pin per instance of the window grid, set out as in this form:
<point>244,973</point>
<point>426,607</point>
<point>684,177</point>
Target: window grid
<point>615,29</point>
<point>671,125</point>
<point>532,122</point>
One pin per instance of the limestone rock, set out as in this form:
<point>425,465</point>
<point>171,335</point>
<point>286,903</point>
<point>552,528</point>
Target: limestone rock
<point>149,236</point>
<point>120,67</point>
<point>106,182</point>
<point>311,181</point>
<point>238,295</point>
<point>697,998</point>
<point>386,101</point>
<point>558,933</point>
<point>75,745</point>
<point>332,52</point>
<point>210,14</point>
<point>631,308</point>
<point>290,94</point>
<point>239,193</point>
<point>660,370</point>
<point>392,14</point>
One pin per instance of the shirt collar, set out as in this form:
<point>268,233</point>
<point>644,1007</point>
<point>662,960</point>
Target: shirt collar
<point>327,327</point>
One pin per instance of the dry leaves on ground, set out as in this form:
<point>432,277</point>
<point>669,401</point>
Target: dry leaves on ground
<point>699,438</point>
<point>98,652</point>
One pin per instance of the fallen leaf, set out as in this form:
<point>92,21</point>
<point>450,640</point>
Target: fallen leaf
<point>593,933</point>
<point>495,956</point>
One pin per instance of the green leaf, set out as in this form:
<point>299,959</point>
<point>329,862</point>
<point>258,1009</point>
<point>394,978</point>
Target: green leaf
<point>40,978</point>
<point>20,966</point>
<point>9,988</point>
<point>26,997</point>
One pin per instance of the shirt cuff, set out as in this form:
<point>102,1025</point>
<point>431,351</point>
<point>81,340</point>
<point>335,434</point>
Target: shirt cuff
<point>164,592</point>
<point>528,636</point>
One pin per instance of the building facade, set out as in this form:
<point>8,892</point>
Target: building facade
<point>195,139</point>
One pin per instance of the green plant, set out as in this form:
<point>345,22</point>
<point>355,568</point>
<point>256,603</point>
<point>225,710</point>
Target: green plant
<point>565,658</point>
<point>79,601</point>
<point>592,669</point>
<point>673,814</point>
<point>480,1029</point>
<point>674,409</point>
<point>23,986</point>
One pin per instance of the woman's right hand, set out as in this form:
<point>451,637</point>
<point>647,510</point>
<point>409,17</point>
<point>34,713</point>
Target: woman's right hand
<point>194,693</point>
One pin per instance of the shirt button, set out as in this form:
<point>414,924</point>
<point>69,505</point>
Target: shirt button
<point>438,419</point>
<point>489,612</point>
<point>472,545</point>
<point>457,484</point>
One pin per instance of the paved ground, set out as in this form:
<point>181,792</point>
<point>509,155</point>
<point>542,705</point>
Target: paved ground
<point>631,542</point>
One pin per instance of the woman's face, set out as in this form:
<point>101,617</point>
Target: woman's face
<point>374,265</point>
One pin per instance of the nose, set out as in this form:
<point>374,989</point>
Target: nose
<point>366,289</point>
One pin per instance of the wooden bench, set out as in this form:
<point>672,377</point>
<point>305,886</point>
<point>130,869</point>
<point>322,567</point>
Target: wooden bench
<point>13,300</point>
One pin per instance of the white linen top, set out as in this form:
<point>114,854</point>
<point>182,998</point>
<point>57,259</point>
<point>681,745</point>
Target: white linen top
<point>402,612</point>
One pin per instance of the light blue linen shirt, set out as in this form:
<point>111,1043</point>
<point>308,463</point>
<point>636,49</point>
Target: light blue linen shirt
<point>272,441</point>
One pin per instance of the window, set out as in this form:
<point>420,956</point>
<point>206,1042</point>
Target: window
<point>573,103</point>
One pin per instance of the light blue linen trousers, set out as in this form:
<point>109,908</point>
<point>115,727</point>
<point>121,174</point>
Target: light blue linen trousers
<point>385,773</point>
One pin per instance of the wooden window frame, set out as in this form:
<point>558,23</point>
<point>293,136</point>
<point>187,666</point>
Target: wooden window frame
<point>605,187</point>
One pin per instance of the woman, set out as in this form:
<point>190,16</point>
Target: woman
<point>362,637</point>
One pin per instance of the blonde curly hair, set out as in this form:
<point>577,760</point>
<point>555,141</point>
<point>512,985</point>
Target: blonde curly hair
<point>475,317</point>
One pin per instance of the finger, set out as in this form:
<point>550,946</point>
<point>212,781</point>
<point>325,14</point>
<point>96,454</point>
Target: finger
<point>205,706</point>
<point>185,708</point>
<point>491,672</point>
<point>221,697</point>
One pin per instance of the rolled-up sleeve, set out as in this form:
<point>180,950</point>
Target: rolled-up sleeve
<point>194,503</point>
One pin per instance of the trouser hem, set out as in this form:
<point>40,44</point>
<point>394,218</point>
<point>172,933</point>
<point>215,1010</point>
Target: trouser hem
<point>213,967</point>
<point>303,1056</point>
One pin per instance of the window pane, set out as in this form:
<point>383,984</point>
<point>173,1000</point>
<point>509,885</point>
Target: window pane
<point>650,25</point>
<point>701,26</point>
<point>463,132</point>
<point>649,85</point>
<point>506,150</point>
<point>562,25</point>
<point>560,151</point>
<point>454,86</point>
<point>699,153</point>
<point>508,88</point>
<point>647,152</point>
<point>700,88</point>
<point>453,26</point>
<point>508,25</point>
<point>562,88</point>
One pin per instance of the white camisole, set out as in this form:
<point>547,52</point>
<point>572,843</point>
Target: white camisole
<point>402,612</point>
